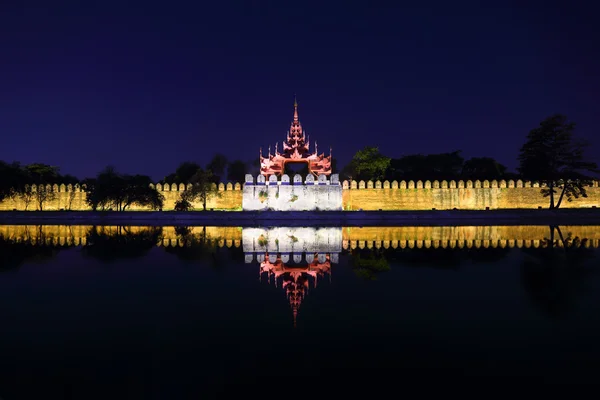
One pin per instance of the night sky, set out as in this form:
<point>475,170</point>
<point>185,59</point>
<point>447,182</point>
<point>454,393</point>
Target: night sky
<point>144,86</point>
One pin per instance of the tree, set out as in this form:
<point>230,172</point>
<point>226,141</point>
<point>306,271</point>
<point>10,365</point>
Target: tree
<point>109,245</point>
<point>195,246</point>
<point>483,168</point>
<point>14,253</point>
<point>443,166</point>
<point>113,190</point>
<point>367,263</point>
<point>24,193</point>
<point>367,164</point>
<point>43,194</point>
<point>40,175</point>
<point>11,178</point>
<point>217,167</point>
<point>16,182</point>
<point>183,173</point>
<point>236,171</point>
<point>202,189</point>
<point>552,157</point>
<point>554,274</point>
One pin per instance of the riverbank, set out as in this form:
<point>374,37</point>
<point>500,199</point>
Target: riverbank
<point>323,218</point>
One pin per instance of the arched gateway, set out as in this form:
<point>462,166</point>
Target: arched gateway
<point>295,149</point>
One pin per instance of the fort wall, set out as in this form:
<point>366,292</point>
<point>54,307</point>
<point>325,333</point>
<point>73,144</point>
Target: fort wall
<point>322,194</point>
<point>448,195</point>
<point>73,197</point>
<point>352,195</point>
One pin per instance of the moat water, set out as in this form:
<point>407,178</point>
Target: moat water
<point>146,312</point>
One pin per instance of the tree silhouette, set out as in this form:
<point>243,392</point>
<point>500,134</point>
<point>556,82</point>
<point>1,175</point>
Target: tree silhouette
<point>111,190</point>
<point>426,167</point>
<point>367,263</point>
<point>183,173</point>
<point>13,253</point>
<point>124,243</point>
<point>367,164</point>
<point>202,189</point>
<point>554,274</point>
<point>17,182</point>
<point>482,168</point>
<point>217,166</point>
<point>195,247</point>
<point>236,171</point>
<point>12,177</point>
<point>554,158</point>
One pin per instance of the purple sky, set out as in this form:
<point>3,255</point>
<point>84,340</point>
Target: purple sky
<point>146,86</point>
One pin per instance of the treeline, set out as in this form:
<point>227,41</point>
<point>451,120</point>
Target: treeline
<point>114,191</point>
<point>370,164</point>
<point>550,155</point>
<point>16,181</point>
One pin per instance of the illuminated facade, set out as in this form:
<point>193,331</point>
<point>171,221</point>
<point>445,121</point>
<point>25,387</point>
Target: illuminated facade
<point>295,149</point>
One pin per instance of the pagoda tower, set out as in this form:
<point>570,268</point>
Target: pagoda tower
<point>295,149</point>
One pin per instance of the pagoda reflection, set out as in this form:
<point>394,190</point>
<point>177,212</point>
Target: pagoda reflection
<point>294,259</point>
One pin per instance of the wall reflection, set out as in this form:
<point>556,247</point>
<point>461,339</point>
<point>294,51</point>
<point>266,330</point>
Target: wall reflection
<point>553,261</point>
<point>351,238</point>
<point>294,259</point>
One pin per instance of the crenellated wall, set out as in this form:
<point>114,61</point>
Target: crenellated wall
<point>447,195</point>
<point>324,194</point>
<point>284,195</point>
<point>73,197</point>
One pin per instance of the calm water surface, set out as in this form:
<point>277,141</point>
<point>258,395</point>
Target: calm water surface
<point>162,312</point>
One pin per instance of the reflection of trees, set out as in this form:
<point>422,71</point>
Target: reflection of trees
<point>109,245</point>
<point>34,247</point>
<point>367,263</point>
<point>196,247</point>
<point>554,274</point>
<point>445,258</point>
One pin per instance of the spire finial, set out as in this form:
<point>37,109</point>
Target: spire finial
<point>295,109</point>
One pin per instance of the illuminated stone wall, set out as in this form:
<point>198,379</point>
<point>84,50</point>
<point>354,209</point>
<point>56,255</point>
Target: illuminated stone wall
<point>322,194</point>
<point>68,197</point>
<point>444,195</point>
<point>447,195</point>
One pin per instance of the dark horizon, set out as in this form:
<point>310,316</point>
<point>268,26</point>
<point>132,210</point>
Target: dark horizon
<point>145,87</point>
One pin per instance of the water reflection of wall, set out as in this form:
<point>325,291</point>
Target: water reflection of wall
<point>554,259</point>
<point>368,237</point>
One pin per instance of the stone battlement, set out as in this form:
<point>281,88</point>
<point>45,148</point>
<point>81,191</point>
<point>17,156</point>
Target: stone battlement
<point>297,180</point>
<point>321,194</point>
<point>325,193</point>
